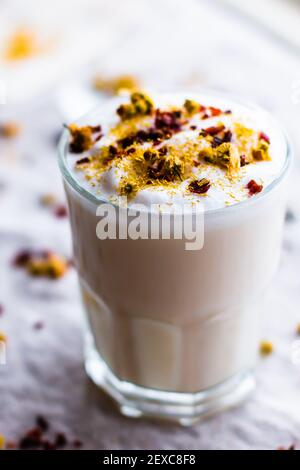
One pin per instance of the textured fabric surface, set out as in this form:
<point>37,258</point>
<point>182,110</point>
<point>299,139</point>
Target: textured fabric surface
<point>202,46</point>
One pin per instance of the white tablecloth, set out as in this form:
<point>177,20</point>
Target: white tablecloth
<point>170,44</point>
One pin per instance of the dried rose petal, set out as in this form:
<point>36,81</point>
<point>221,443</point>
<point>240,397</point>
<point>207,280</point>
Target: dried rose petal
<point>22,258</point>
<point>215,111</point>
<point>83,138</point>
<point>291,447</point>
<point>214,130</point>
<point>39,325</point>
<point>170,120</point>
<point>42,423</point>
<point>264,137</point>
<point>199,186</point>
<point>254,187</point>
<point>32,439</point>
<point>60,440</point>
<point>243,160</point>
<point>77,443</point>
<point>82,161</point>
<point>47,445</point>
<point>227,136</point>
<point>217,141</point>
<point>60,211</point>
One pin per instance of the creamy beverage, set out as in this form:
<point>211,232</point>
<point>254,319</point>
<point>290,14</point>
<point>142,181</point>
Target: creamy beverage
<point>175,331</point>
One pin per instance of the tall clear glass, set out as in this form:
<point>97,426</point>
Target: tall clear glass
<point>174,333</point>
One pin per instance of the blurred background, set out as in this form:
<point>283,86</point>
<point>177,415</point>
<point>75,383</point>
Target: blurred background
<point>58,59</point>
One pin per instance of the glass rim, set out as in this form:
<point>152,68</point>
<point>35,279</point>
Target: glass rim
<point>73,182</point>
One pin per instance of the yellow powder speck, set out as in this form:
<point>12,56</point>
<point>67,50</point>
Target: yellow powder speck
<point>266,348</point>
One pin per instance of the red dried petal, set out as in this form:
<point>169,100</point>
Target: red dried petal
<point>42,423</point>
<point>82,161</point>
<point>214,130</point>
<point>39,325</point>
<point>264,137</point>
<point>253,187</point>
<point>22,258</point>
<point>32,439</point>
<point>215,111</point>
<point>77,444</point>
<point>60,211</point>
<point>199,186</point>
<point>60,440</point>
<point>243,160</point>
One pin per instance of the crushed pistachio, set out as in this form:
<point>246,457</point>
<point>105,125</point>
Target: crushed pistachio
<point>3,337</point>
<point>168,168</point>
<point>266,348</point>
<point>21,45</point>
<point>261,152</point>
<point>227,156</point>
<point>206,153</point>
<point>2,441</point>
<point>43,263</point>
<point>253,145</point>
<point>9,130</point>
<point>117,84</point>
<point>191,107</point>
<point>140,105</point>
<point>52,266</point>
<point>83,138</point>
<point>48,199</point>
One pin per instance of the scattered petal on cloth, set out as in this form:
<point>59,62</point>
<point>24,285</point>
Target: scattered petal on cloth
<point>44,373</point>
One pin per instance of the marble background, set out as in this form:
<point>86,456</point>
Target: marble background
<point>169,44</point>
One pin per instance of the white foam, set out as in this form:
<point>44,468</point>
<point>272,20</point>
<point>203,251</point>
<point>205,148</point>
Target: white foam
<point>221,193</point>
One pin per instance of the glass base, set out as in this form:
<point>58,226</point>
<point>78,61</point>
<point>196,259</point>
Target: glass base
<point>183,408</point>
